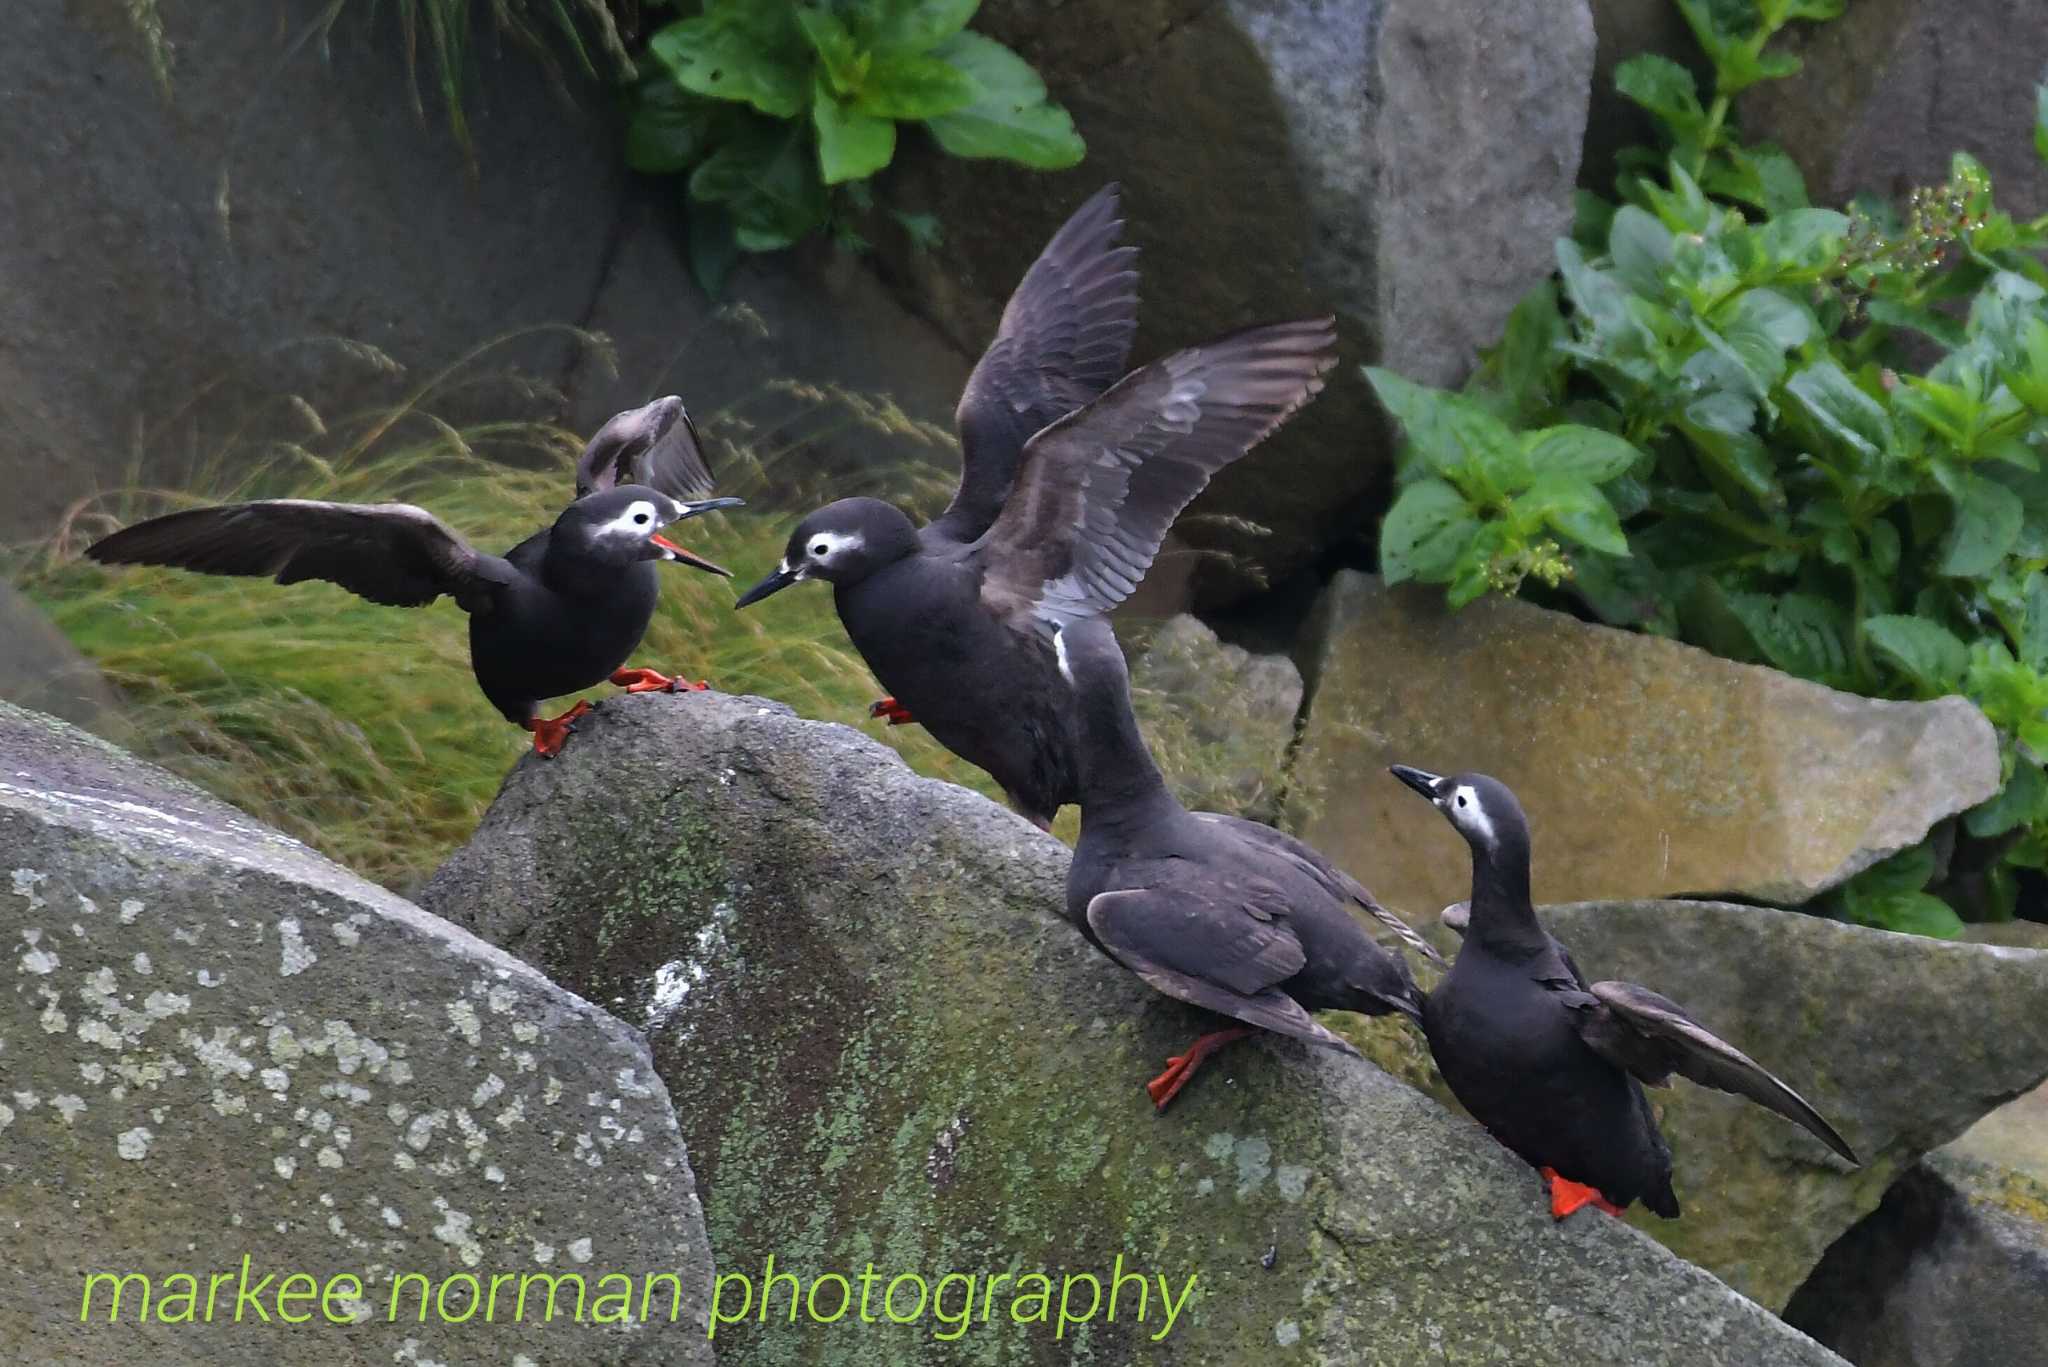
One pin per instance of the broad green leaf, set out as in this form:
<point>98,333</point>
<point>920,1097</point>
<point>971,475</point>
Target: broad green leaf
<point>1600,299</point>
<point>1009,117</point>
<point>1575,510</point>
<point>768,181</point>
<point>2033,641</point>
<point>1527,357</point>
<point>1817,10</point>
<point>913,26</point>
<point>1799,633</point>
<point>845,65</point>
<point>1452,434</point>
<point>1842,409</point>
<point>1663,87</point>
<point>1909,913</point>
<point>1584,453</point>
<point>728,55</point>
<point>671,130</point>
<point>1424,531</point>
<point>1804,241</point>
<point>2041,121</point>
<point>1899,314</point>
<point>1762,176</point>
<point>1907,871</point>
<point>914,87</point>
<point>1640,248</point>
<point>851,145</point>
<point>1986,523</point>
<point>2022,802</point>
<point>1929,654</point>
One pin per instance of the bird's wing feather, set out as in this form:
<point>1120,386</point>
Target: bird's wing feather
<point>391,553</point>
<point>1196,952</point>
<point>619,454</point>
<point>1341,884</point>
<point>1100,487</point>
<point>1651,1037</point>
<point>1065,337</point>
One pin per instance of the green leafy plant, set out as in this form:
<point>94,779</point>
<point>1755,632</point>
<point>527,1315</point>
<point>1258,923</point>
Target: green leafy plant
<point>779,112</point>
<point>1792,435</point>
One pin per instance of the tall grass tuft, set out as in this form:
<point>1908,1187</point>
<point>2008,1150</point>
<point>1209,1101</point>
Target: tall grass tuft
<point>358,728</point>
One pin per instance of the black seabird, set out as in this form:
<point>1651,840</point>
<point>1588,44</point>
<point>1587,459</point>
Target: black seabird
<point>1212,910</point>
<point>1554,1066</point>
<point>560,611</point>
<point>1066,492</point>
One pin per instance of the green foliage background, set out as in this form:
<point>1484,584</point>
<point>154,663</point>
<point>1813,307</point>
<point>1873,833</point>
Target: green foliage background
<point>1792,435</point>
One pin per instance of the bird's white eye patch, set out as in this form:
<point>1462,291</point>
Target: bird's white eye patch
<point>826,546</point>
<point>640,519</point>
<point>1467,812</point>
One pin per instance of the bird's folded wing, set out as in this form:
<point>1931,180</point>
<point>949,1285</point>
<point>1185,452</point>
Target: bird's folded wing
<point>1065,337</point>
<point>634,447</point>
<point>1099,488</point>
<point>1208,955</point>
<point>1652,1037</point>
<point>1341,884</point>
<point>391,553</point>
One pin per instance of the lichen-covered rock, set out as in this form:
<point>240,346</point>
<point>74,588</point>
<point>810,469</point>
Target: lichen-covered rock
<point>1951,1271</point>
<point>216,1044</point>
<point>1902,1042</point>
<point>1219,718</point>
<point>1406,164</point>
<point>889,1049</point>
<point>1648,768</point>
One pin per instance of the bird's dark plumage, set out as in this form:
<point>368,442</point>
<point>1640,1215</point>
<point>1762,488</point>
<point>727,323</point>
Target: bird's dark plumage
<point>957,619</point>
<point>558,612</point>
<point>1065,337</point>
<point>655,445</point>
<point>1552,1065</point>
<point>1221,913</point>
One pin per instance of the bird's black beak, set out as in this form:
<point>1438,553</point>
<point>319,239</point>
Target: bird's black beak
<point>774,583</point>
<point>1421,780</point>
<point>689,510</point>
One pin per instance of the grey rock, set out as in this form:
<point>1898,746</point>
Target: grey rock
<point>888,1046</point>
<point>156,246</point>
<point>1406,164</point>
<point>1950,1271</point>
<point>1901,1041</point>
<point>216,1043</point>
<point>1894,87</point>
<point>2015,1136</point>
<point>1648,768</point>
<point>43,672</point>
<point>1219,718</point>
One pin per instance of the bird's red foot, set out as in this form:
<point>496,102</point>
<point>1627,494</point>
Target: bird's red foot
<point>652,681</point>
<point>896,712</point>
<point>1567,1196</point>
<point>1181,1067</point>
<point>549,733</point>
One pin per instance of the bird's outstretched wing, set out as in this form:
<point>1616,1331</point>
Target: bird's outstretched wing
<point>1341,884</point>
<point>1065,337</point>
<point>1225,958</point>
<point>655,445</point>
<point>1100,487</point>
<point>1651,1037</point>
<point>391,553</point>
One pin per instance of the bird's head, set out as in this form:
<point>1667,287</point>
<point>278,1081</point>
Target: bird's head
<point>841,543</point>
<point>1483,809</point>
<point>623,526</point>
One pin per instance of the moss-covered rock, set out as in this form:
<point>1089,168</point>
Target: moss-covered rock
<point>1901,1041</point>
<point>1648,768</point>
<point>216,1044</point>
<point>887,1047</point>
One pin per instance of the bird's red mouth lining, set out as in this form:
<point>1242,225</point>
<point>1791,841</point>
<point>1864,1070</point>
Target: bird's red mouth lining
<point>688,557</point>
